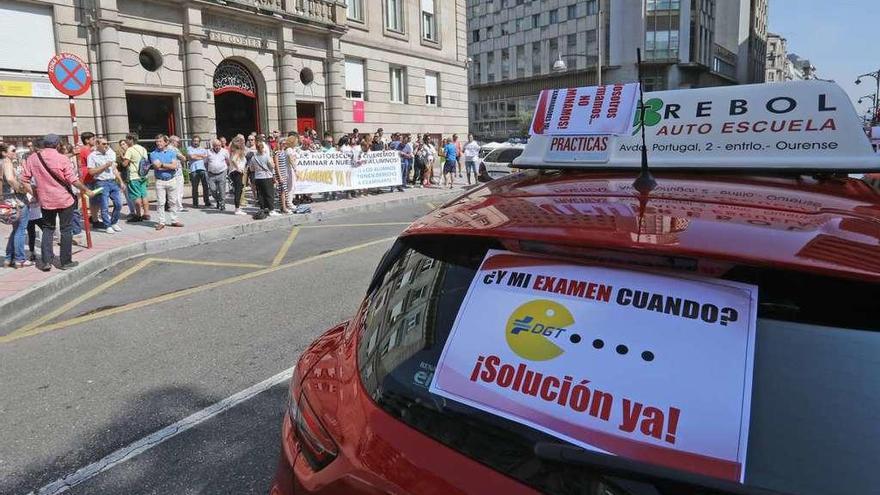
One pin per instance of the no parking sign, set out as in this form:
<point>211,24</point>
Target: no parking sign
<point>72,77</point>
<point>69,74</point>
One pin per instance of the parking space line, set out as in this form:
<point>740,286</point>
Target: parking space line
<point>221,264</point>
<point>37,330</point>
<point>75,302</point>
<point>285,247</point>
<point>132,450</point>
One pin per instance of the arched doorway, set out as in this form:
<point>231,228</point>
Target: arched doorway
<point>235,100</point>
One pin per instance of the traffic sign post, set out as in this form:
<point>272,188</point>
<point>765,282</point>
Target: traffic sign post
<point>72,77</point>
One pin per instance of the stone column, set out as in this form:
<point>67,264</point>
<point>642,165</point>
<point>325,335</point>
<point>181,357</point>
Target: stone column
<point>113,103</point>
<point>334,68</point>
<point>288,79</point>
<point>198,109</point>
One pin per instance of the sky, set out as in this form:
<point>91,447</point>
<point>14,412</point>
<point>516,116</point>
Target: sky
<point>840,37</point>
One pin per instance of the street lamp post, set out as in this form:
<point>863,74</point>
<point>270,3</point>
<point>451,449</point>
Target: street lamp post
<point>876,75</point>
<point>560,66</point>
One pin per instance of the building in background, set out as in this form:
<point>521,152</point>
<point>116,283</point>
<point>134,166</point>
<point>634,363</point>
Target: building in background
<point>784,66</point>
<point>518,46</point>
<point>220,67</point>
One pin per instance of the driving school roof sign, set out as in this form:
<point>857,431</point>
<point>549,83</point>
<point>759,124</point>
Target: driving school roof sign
<point>69,74</point>
<point>808,125</point>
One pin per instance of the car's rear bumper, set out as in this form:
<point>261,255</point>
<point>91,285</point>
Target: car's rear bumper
<point>389,457</point>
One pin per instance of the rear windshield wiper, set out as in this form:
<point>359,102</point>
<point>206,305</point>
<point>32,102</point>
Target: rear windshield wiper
<point>664,479</point>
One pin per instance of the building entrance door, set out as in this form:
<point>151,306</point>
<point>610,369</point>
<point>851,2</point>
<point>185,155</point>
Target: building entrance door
<point>150,115</point>
<point>306,117</point>
<point>236,104</point>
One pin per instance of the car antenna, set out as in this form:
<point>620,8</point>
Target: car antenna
<point>645,182</point>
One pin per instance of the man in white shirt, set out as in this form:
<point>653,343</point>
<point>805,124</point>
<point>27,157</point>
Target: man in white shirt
<point>217,163</point>
<point>102,166</point>
<point>471,152</point>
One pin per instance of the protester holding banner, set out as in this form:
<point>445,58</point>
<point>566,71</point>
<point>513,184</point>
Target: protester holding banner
<point>406,159</point>
<point>260,163</point>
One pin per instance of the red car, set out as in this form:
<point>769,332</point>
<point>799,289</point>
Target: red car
<point>361,418</point>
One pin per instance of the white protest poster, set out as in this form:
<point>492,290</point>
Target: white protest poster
<point>647,366</point>
<point>329,172</point>
<point>593,110</point>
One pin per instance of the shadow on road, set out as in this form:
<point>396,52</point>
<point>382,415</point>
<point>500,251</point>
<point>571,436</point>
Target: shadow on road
<point>235,452</point>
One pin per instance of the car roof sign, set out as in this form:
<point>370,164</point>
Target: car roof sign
<point>803,126</point>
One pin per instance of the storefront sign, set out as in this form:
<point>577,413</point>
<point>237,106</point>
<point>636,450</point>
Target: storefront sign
<point>650,367</point>
<point>797,125</point>
<point>233,39</point>
<point>29,89</point>
<point>329,172</point>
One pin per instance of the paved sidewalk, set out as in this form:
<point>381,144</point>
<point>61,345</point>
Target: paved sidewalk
<point>200,225</point>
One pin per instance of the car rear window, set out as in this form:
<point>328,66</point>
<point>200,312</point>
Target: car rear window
<point>813,428</point>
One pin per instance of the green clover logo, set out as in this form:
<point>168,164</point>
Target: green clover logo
<point>652,114</point>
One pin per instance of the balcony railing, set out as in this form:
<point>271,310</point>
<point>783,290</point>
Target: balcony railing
<point>322,11</point>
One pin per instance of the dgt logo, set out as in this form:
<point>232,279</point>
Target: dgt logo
<point>534,327</point>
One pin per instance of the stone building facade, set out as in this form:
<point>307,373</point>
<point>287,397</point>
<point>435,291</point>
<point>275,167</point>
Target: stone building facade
<point>209,67</point>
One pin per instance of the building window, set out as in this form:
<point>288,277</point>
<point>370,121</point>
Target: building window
<point>505,64</point>
<point>429,21</point>
<point>475,35</point>
<point>490,67</point>
<point>394,15</point>
<point>572,12</point>
<point>478,73</point>
<point>356,10</point>
<point>654,5</point>
<point>29,26</point>
<point>554,16</point>
<point>354,79</point>
<point>660,45</point>
<point>398,84</point>
<point>572,43</point>
<point>536,58</point>
<point>536,19</point>
<point>554,50</point>
<point>431,89</point>
<point>520,61</point>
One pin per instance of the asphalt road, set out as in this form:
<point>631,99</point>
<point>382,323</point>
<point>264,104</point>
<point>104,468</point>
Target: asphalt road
<point>157,339</point>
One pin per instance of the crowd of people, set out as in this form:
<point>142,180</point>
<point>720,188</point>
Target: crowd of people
<point>41,185</point>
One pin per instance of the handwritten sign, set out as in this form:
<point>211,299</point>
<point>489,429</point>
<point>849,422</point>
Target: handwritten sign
<point>593,110</point>
<point>651,367</point>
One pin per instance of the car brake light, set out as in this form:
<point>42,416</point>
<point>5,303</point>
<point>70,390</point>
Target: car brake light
<point>317,447</point>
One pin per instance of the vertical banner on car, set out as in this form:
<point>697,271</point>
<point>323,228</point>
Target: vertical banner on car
<point>330,172</point>
<point>593,110</point>
<point>651,367</point>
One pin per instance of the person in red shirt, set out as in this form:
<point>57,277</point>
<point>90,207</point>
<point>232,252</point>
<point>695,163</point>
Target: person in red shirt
<point>88,144</point>
<point>54,175</point>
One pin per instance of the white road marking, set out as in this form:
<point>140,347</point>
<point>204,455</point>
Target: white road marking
<point>139,447</point>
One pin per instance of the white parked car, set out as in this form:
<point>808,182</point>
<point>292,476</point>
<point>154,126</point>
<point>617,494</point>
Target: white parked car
<point>497,163</point>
